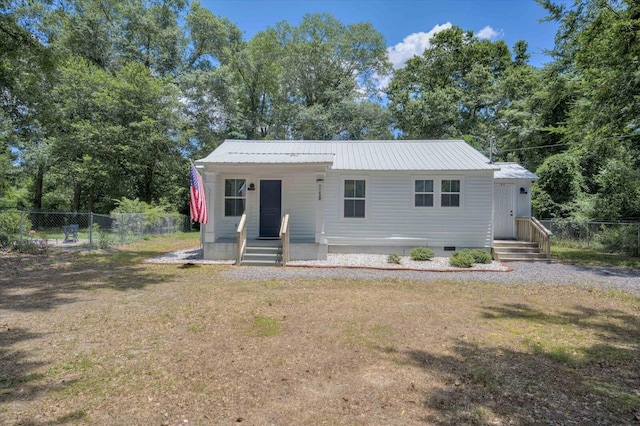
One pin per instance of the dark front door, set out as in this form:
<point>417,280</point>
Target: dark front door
<point>270,208</point>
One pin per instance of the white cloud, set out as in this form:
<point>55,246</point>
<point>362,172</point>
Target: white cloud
<point>413,44</point>
<point>416,43</point>
<point>488,33</point>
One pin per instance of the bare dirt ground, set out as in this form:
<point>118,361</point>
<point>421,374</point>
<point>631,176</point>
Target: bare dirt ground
<point>107,339</point>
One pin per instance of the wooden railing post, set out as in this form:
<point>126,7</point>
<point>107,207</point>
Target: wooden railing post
<point>241,235</point>
<point>284,236</point>
<point>530,229</point>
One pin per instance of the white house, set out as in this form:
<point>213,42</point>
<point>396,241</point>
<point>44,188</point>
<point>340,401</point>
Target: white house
<point>360,196</point>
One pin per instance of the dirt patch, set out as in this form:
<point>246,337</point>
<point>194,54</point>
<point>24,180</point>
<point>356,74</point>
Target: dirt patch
<point>108,339</point>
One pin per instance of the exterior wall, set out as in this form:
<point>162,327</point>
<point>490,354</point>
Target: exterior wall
<point>393,221</point>
<point>522,201</point>
<point>299,200</point>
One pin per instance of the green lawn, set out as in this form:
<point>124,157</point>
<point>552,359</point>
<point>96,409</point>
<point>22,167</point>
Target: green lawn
<point>589,257</point>
<point>104,338</point>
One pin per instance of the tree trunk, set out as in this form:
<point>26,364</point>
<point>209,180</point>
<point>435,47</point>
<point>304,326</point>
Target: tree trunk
<point>77,189</point>
<point>37,190</point>
<point>90,200</point>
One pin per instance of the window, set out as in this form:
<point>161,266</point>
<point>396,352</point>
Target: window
<point>354,198</point>
<point>423,193</point>
<point>235,197</point>
<point>450,193</point>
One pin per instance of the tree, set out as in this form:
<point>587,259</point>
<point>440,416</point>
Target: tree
<point>295,82</point>
<point>559,186</point>
<point>597,49</point>
<point>451,89</point>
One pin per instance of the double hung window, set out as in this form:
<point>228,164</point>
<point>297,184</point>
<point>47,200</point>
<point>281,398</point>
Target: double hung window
<point>235,197</point>
<point>354,198</point>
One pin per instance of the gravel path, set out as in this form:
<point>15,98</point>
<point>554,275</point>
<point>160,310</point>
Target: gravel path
<point>521,273</point>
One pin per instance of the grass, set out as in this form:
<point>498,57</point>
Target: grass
<point>590,257</point>
<point>104,338</point>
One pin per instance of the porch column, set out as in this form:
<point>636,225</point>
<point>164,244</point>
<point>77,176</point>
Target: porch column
<point>320,237</point>
<point>210,183</point>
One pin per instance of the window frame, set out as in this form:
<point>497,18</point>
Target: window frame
<point>433,181</point>
<point>233,197</point>
<point>344,198</point>
<point>450,192</point>
<point>437,192</point>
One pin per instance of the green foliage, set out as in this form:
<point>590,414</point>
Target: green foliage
<point>422,253</point>
<point>4,239</point>
<point>462,259</point>
<point>619,194</point>
<point>133,219</point>
<point>12,223</point>
<point>619,239</point>
<point>394,258</point>
<point>560,184</point>
<point>453,88</point>
<point>466,258</point>
<point>480,256</point>
<point>105,240</point>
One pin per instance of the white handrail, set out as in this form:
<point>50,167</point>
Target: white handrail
<point>530,229</point>
<point>241,235</point>
<point>284,236</point>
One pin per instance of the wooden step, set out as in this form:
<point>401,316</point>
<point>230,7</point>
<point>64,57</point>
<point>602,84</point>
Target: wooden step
<point>262,255</point>
<point>517,251</point>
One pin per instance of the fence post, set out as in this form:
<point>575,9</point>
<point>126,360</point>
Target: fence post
<point>638,248</point>
<point>587,234</point>
<point>90,230</point>
<point>121,229</point>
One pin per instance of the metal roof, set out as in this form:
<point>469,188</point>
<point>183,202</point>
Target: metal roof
<point>513,171</point>
<point>355,155</point>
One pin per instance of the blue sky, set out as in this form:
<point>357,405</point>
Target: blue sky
<point>405,24</point>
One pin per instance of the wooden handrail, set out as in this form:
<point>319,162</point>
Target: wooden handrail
<point>284,236</point>
<point>241,235</point>
<point>530,229</point>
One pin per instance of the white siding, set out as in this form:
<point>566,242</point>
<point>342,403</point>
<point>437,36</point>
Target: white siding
<point>299,195</point>
<point>390,211</point>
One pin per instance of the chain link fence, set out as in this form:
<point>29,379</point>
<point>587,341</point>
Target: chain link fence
<point>84,230</point>
<point>607,236</point>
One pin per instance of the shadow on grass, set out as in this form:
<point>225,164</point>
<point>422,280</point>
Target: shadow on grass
<point>37,283</point>
<point>551,380</point>
<point>17,380</point>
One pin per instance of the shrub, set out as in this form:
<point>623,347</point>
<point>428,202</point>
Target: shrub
<point>10,222</point>
<point>480,256</point>
<point>393,258</point>
<point>27,247</point>
<point>104,238</point>
<point>462,259</point>
<point>422,253</point>
<point>4,239</point>
<point>618,239</point>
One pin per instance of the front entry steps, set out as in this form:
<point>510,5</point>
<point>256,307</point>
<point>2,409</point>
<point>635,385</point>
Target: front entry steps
<point>263,253</point>
<point>517,251</point>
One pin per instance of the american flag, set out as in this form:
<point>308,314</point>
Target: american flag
<point>197,201</point>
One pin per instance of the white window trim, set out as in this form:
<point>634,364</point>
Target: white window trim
<point>224,195</point>
<point>367,190</point>
<point>437,192</point>
<point>413,192</point>
<point>440,193</point>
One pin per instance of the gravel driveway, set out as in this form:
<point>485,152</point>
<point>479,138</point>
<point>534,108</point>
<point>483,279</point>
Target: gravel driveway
<point>522,273</point>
